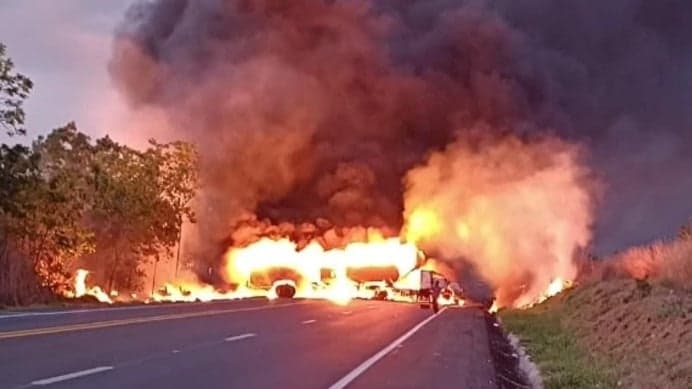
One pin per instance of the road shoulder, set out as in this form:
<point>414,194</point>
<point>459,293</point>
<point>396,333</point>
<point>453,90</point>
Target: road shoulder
<point>450,351</point>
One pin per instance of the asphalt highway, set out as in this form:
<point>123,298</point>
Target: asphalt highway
<point>247,344</point>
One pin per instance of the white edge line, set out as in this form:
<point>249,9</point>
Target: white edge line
<point>308,321</point>
<point>65,377</point>
<point>360,369</point>
<point>239,337</point>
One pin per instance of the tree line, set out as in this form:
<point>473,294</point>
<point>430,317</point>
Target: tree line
<point>67,199</point>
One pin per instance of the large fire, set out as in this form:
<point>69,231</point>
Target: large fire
<point>385,269</point>
<point>513,211</point>
<point>379,268</point>
<point>516,213</point>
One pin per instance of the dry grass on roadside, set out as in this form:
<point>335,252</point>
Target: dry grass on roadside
<point>638,330</point>
<point>644,328</point>
<point>666,262</point>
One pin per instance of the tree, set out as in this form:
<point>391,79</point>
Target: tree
<point>41,212</point>
<point>133,210</point>
<point>116,207</point>
<point>113,208</point>
<point>18,173</point>
<point>64,157</point>
<point>179,178</point>
<point>14,89</point>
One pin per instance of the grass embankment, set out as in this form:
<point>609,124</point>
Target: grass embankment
<point>562,361</point>
<point>596,335</point>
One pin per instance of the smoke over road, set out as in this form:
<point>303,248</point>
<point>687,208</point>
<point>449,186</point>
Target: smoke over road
<point>354,113</point>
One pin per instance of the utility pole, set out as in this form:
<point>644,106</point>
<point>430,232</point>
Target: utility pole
<point>177,256</point>
<point>153,278</point>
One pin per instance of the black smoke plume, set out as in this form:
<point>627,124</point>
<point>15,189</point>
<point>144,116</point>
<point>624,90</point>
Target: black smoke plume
<point>308,109</point>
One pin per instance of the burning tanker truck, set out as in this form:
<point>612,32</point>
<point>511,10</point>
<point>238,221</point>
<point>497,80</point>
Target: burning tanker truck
<point>382,269</point>
<point>429,289</point>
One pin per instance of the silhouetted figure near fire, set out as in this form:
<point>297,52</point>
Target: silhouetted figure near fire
<point>434,294</point>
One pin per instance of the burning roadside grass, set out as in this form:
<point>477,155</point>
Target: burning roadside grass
<point>80,289</point>
<point>666,262</point>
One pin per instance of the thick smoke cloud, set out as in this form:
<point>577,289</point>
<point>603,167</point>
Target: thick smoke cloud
<point>309,109</point>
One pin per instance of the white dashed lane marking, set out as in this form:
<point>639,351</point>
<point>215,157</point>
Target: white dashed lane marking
<point>71,376</point>
<point>239,337</point>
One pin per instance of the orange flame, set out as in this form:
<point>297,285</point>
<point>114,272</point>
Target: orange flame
<point>515,210</point>
<point>317,272</point>
<point>80,288</point>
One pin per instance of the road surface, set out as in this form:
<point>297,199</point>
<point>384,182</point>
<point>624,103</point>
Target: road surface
<point>247,344</point>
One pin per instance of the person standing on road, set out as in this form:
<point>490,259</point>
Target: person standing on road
<point>434,294</point>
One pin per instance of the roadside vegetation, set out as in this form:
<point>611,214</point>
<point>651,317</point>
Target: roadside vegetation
<point>562,360</point>
<point>68,200</point>
<point>627,324</point>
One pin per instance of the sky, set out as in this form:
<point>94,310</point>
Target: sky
<point>64,47</point>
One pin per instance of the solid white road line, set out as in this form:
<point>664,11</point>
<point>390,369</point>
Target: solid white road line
<point>65,377</point>
<point>348,378</point>
<point>308,321</point>
<point>239,337</point>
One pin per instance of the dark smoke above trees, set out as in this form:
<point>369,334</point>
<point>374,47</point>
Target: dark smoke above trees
<point>317,109</point>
